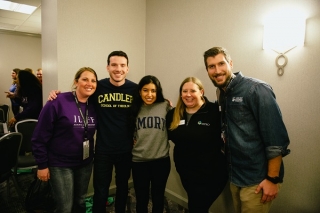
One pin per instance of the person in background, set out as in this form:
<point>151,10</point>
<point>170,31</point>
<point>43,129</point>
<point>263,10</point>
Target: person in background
<point>63,143</point>
<point>39,74</point>
<point>29,70</point>
<point>15,106</point>
<point>255,136</point>
<point>194,127</point>
<point>151,162</point>
<point>113,100</point>
<point>29,91</point>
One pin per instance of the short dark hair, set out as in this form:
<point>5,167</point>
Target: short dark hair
<point>212,52</point>
<point>118,53</point>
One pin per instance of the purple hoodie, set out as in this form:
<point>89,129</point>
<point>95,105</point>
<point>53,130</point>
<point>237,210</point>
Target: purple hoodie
<point>59,135</point>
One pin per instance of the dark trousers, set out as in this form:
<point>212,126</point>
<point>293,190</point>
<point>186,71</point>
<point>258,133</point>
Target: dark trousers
<point>202,190</point>
<point>102,176</point>
<point>156,173</point>
<point>15,109</point>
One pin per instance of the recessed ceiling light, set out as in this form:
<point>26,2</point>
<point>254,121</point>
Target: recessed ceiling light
<point>15,7</point>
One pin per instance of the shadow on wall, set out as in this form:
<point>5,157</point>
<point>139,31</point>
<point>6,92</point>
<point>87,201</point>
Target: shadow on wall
<point>224,201</point>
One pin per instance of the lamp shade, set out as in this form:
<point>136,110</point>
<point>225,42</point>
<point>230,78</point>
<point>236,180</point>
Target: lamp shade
<point>284,31</point>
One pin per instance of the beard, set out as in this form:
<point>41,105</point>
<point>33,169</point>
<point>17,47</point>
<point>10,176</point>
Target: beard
<point>224,84</point>
<point>218,85</point>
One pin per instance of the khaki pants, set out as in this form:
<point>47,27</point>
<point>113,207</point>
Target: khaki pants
<point>246,201</point>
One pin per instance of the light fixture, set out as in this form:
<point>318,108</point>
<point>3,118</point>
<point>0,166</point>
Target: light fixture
<point>283,31</point>
<point>15,7</point>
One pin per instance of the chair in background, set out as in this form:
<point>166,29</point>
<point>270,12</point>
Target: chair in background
<point>3,129</point>
<point>9,151</point>
<point>25,158</point>
<point>2,116</point>
<point>4,113</point>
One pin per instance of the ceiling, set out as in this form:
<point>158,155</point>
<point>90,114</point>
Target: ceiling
<point>20,22</point>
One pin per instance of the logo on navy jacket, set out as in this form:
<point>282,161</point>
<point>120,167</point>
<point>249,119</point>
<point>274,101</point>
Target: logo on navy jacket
<point>200,123</point>
<point>237,99</point>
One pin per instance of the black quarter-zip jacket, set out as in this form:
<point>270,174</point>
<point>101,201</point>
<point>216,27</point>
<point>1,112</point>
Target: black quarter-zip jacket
<point>198,143</point>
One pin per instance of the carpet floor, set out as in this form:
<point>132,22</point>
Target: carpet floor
<point>15,205</point>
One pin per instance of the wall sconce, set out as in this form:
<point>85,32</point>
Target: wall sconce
<point>283,31</point>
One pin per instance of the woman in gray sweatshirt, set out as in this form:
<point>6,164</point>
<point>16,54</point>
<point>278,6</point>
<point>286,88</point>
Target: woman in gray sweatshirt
<point>150,153</point>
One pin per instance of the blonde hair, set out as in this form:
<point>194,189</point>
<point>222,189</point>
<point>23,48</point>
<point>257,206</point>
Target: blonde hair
<point>180,108</point>
<point>16,71</point>
<point>78,74</point>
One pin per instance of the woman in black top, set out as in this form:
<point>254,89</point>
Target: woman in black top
<point>194,128</point>
<point>29,93</point>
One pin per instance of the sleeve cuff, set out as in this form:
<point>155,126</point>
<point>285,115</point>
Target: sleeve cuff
<point>275,151</point>
<point>42,166</point>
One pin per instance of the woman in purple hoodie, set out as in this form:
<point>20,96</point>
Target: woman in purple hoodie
<point>63,143</point>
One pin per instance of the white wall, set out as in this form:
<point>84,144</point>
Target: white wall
<point>78,33</point>
<point>178,33</point>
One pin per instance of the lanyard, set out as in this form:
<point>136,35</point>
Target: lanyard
<point>85,119</point>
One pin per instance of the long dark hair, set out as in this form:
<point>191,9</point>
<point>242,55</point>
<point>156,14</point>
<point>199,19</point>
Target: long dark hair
<point>147,80</point>
<point>28,84</point>
<point>137,100</point>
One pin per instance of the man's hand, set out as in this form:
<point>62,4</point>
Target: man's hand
<point>43,174</point>
<point>53,95</point>
<point>269,191</point>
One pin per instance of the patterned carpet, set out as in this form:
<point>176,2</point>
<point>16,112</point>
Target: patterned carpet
<point>15,205</point>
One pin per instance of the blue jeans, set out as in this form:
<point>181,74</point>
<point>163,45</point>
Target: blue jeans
<point>102,176</point>
<point>156,173</point>
<point>69,188</point>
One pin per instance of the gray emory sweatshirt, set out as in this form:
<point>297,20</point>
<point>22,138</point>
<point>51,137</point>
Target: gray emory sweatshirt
<point>151,133</point>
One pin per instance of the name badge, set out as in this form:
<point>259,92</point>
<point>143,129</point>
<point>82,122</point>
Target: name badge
<point>85,149</point>
<point>182,122</point>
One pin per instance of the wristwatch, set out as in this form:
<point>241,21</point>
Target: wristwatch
<point>274,180</point>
